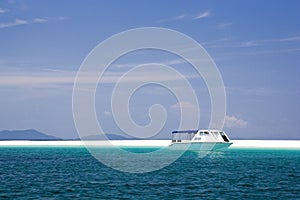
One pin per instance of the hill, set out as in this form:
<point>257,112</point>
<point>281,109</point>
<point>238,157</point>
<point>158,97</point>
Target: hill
<point>29,134</point>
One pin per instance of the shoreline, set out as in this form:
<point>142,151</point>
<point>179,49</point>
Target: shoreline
<point>266,144</point>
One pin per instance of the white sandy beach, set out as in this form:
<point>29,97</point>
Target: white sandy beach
<point>272,144</point>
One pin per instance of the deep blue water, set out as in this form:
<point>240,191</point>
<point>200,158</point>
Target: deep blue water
<point>62,173</point>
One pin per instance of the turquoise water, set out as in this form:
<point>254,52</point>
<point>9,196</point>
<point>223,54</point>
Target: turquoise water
<point>62,173</point>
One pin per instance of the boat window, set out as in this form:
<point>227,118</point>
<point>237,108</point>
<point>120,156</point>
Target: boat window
<point>206,132</point>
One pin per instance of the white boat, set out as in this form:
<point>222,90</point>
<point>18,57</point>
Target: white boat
<point>200,140</point>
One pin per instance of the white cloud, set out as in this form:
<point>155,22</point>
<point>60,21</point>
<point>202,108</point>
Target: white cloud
<point>179,17</point>
<point>252,43</point>
<point>3,10</point>
<point>107,113</point>
<point>143,76</point>
<point>203,15</point>
<point>183,105</point>
<point>231,43</point>
<point>174,62</point>
<point>222,42</point>
<point>23,80</point>
<point>55,77</point>
<point>233,121</point>
<point>185,16</point>
<point>18,22</point>
<point>290,39</point>
<point>40,20</point>
<point>36,78</point>
<point>224,25</point>
<point>14,23</point>
<point>164,62</point>
<point>254,91</point>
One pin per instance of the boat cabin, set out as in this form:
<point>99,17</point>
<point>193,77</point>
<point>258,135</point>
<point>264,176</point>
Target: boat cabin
<point>199,136</point>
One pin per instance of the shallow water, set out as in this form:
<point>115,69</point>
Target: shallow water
<point>65,172</point>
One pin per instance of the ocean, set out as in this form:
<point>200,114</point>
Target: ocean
<point>71,172</point>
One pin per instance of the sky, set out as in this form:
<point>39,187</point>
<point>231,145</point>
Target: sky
<point>255,45</point>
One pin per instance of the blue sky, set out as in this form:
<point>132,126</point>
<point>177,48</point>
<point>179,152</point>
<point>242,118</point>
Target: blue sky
<point>255,44</point>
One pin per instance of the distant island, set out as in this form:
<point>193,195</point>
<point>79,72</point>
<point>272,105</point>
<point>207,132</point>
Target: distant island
<point>34,135</point>
<point>29,134</point>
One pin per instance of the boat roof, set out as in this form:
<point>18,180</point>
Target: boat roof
<point>193,131</point>
<point>185,131</point>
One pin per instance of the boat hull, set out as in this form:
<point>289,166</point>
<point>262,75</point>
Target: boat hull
<point>201,146</point>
